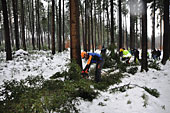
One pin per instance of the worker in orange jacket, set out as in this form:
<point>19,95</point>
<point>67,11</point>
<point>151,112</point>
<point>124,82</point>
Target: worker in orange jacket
<point>92,58</point>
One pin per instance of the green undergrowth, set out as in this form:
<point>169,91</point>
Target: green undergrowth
<point>106,81</point>
<point>35,94</point>
<point>133,70</point>
<point>63,90</point>
<point>154,65</point>
<point>153,92</point>
<point>59,93</point>
<point>111,58</point>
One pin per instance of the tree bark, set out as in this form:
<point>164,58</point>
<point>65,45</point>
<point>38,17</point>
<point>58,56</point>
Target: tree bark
<point>59,42</point>
<point>23,25</point>
<point>112,23</point>
<point>88,30</point>
<point>48,26</point>
<point>108,25</point>
<point>10,22</point>
<point>95,25</point>
<point>83,28</point>
<point>6,27</point>
<point>38,25</point>
<point>74,32</point>
<point>63,29</point>
<point>85,44</point>
<point>53,29</point>
<point>160,32</point>
<point>153,29</point>
<point>166,33</point>
<point>120,26</point>
<point>144,64</point>
<point>92,25</point>
<point>132,25</point>
<point>33,39</point>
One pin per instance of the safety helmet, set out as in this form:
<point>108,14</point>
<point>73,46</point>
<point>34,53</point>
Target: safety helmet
<point>121,50</point>
<point>83,54</point>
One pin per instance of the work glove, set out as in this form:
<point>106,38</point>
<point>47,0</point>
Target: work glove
<point>84,74</point>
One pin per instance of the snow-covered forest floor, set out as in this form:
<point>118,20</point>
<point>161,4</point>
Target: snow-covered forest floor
<point>135,99</point>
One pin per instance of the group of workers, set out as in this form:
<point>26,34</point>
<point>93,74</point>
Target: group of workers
<point>99,60</point>
<point>127,54</point>
<point>156,54</point>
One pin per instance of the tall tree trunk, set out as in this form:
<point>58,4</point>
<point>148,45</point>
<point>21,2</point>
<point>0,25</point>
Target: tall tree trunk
<point>112,23</point>
<point>166,33</point>
<point>10,22</point>
<point>108,25</point>
<point>83,33</point>
<point>126,32</point>
<point>88,26</point>
<point>53,29</point>
<point>29,14</point>
<point>100,30</point>
<point>144,65</point>
<point>136,33</point>
<point>0,32</point>
<point>33,39</point>
<point>48,26</point>
<point>141,32</point>
<point>36,16</point>
<point>15,11</point>
<point>132,25</point>
<point>74,32</point>
<point>160,32</point>
<point>57,26</point>
<point>95,25</point>
<point>85,44</point>
<point>88,30</point>
<point>153,29</point>
<point>92,25</point>
<point>120,26</point>
<point>38,25</point>
<point>29,24</point>
<point>63,29</point>
<point>103,25</point>
<point>6,27</point>
<point>23,25</point>
<point>60,48</point>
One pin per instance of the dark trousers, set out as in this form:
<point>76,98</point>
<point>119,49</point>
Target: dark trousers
<point>136,58</point>
<point>99,66</point>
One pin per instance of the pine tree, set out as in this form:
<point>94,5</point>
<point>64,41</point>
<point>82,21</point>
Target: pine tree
<point>74,32</point>
<point>144,38</point>
<point>166,33</point>
<point>53,29</point>
<point>6,27</point>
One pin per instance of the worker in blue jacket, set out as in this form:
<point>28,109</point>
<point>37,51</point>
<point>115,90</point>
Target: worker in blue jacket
<point>92,58</point>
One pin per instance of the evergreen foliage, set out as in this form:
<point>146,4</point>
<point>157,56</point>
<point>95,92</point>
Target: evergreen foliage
<point>133,70</point>
<point>35,94</point>
<point>106,81</point>
<point>154,65</point>
<point>62,91</point>
<point>153,92</point>
<point>73,72</point>
<point>111,58</point>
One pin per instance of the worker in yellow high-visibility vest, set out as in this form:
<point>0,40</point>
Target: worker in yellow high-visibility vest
<point>125,55</point>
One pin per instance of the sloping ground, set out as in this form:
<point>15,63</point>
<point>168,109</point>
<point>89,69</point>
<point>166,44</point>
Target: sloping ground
<point>32,64</point>
<point>136,99</point>
<point>132,100</point>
